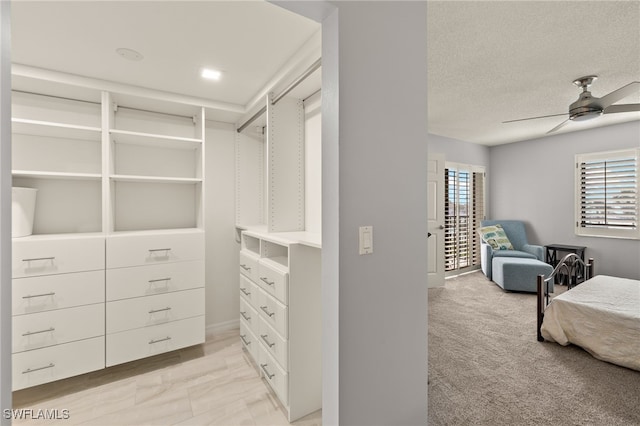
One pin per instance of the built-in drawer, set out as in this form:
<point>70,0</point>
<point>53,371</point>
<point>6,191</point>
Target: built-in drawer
<point>45,293</point>
<point>46,256</point>
<point>274,375</point>
<point>248,339</point>
<point>274,312</point>
<point>249,291</point>
<point>274,278</point>
<point>44,329</point>
<point>39,366</point>
<point>150,249</point>
<point>136,281</point>
<point>249,264</point>
<point>147,341</point>
<point>273,343</point>
<point>147,311</point>
<point>249,314</point>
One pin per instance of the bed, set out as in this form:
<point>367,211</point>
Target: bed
<point>601,314</point>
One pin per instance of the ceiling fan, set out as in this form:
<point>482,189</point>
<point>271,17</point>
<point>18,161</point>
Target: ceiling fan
<point>588,106</point>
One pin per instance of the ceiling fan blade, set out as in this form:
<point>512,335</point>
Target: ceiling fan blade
<point>558,126</point>
<point>534,118</point>
<point>619,94</point>
<point>622,108</point>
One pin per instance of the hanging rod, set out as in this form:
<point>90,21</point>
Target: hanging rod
<point>282,94</point>
<point>155,112</point>
<point>55,96</point>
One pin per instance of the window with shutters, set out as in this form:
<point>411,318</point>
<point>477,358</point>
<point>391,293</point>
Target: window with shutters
<point>607,201</point>
<point>464,209</point>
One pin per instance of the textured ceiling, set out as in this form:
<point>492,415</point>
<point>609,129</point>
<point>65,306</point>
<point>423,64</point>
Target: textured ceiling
<point>495,61</point>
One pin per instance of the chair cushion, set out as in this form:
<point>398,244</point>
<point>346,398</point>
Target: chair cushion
<point>495,236</point>
<point>513,253</point>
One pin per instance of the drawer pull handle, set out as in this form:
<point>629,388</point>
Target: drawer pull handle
<point>157,280</point>
<point>151,342</point>
<point>245,267</point>
<point>29,333</point>
<point>244,315</point>
<point>266,281</point>
<point>264,309</point>
<point>33,259</point>
<point>167,250</point>
<point>31,296</point>
<point>153,311</point>
<point>264,337</point>
<point>244,290</point>
<point>264,368</point>
<point>31,370</point>
<point>245,341</point>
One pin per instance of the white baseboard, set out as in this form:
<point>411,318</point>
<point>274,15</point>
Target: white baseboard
<point>221,327</point>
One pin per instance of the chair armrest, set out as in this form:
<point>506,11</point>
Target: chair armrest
<point>486,255</point>
<point>537,251</point>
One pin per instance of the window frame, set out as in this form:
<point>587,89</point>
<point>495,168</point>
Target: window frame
<point>605,230</point>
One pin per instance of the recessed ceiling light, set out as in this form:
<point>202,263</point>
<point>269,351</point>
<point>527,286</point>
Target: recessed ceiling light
<point>129,54</point>
<point>211,74</point>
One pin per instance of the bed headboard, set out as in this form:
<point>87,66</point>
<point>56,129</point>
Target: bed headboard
<point>571,265</point>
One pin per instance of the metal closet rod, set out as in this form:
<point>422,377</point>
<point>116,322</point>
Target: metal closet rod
<point>282,94</point>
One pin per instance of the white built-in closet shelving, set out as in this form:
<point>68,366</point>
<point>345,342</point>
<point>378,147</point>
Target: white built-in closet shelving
<point>279,263</point>
<point>114,269</point>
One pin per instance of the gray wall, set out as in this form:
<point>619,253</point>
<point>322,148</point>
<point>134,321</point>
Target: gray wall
<point>382,182</point>
<point>459,151</point>
<point>534,181</point>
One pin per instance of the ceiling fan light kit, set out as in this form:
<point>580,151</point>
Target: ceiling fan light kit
<point>588,106</point>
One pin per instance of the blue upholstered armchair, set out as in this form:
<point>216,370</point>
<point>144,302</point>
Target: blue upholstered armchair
<point>516,233</point>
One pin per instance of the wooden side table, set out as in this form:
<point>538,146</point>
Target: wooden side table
<point>554,254</point>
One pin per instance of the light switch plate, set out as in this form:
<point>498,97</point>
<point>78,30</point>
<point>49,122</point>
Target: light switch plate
<point>366,239</point>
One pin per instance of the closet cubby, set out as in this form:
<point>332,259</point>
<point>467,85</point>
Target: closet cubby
<point>275,253</point>
<point>155,164</point>
<point>57,149</point>
<point>251,244</point>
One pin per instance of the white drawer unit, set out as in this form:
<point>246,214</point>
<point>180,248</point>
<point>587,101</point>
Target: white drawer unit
<point>155,293</point>
<point>139,312</point>
<point>248,339</point>
<point>31,368</point>
<point>58,309</point>
<point>274,279</point>
<point>45,293</point>
<point>39,330</point>
<point>276,376</point>
<point>147,341</point>
<point>280,317</point>
<point>124,283</point>
<point>152,248</point>
<point>274,313</point>
<point>51,255</point>
<point>275,344</point>
<point>249,315</point>
<point>250,292</point>
<point>249,264</point>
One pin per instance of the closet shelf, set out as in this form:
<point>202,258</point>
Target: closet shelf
<point>55,130</point>
<point>154,140</point>
<point>153,179</point>
<point>38,174</point>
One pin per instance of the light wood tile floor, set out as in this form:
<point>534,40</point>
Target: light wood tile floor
<point>210,384</point>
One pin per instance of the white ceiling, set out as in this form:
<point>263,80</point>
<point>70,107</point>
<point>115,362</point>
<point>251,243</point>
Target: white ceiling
<point>252,42</point>
<point>492,61</point>
<point>489,61</point>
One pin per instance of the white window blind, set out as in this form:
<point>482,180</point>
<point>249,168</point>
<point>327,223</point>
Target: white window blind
<point>607,201</point>
<point>464,209</point>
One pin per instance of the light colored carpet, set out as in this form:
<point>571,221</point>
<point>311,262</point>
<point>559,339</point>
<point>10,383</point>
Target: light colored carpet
<point>487,368</point>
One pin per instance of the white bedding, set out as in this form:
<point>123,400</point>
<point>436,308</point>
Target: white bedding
<point>601,315</point>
